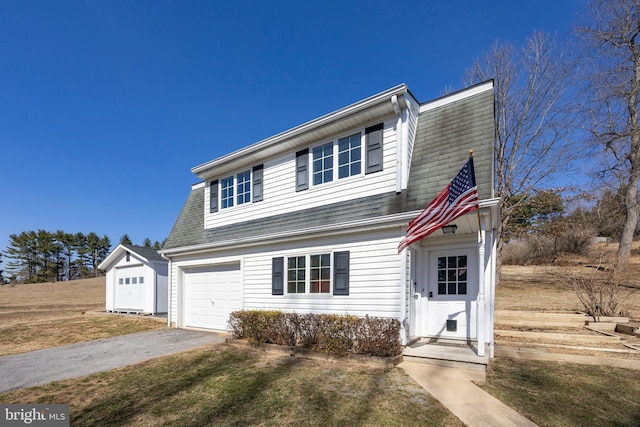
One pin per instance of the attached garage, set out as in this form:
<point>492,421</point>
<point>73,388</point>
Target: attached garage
<point>210,294</point>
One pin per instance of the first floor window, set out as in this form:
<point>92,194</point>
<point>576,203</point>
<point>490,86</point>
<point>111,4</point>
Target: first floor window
<point>227,192</point>
<point>311,274</point>
<point>296,274</point>
<point>320,273</point>
<point>452,275</point>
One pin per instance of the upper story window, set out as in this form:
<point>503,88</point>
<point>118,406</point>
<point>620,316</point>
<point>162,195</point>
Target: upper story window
<point>241,188</point>
<point>323,164</point>
<point>243,185</point>
<point>227,192</point>
<point>350,156</point>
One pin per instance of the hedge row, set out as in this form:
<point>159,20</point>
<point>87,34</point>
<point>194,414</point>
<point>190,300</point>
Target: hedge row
<point>336,335</point>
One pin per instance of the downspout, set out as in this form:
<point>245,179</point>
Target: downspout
<point>398,110</point>
<point>481,320</point>
<point>169,273</point>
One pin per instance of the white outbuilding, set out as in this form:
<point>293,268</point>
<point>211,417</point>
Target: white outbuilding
<point>136,280</point>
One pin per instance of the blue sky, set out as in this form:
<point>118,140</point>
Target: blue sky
<point>105,106</point>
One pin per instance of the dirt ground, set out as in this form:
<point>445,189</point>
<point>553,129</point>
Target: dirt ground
<point>542,288</point>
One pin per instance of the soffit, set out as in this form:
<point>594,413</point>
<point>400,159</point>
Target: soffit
<point>356,115</point>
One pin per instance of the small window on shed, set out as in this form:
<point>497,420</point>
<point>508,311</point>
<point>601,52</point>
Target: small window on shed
<point>134,280</point>
<point>120,281</point>
<point>127,281</point>
<point>141,279</point>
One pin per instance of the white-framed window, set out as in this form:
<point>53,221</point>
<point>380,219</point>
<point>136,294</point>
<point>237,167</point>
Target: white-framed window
<point>242,188</point>
<point>320,274</point>
<point>360,153</point>
<point>141,279</point>
<point>134,280</point>
<point>322,157</point>
<point>296,274</point>
<point>342,154</point>
<point>121,281</point>
<point>226,194</point>
<point>349,155</point>
<point>309,274</point>
<point>243,185</point>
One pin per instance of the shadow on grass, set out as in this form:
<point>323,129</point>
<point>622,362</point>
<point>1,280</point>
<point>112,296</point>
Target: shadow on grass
<point>142,390</point>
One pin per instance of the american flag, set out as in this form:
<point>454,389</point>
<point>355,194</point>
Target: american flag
<point>459,197</point>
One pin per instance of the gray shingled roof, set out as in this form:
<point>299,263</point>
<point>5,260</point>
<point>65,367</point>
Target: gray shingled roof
<point>444,136</point>
<point>148,253</point>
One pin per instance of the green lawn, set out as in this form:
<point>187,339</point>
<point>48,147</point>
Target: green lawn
<point>225,386</point>
<point>564,394</point>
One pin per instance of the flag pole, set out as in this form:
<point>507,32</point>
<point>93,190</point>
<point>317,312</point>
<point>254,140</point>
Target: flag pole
<point>477,210</point>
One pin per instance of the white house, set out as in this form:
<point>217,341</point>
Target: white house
<point>309,220</point>
<point>136,280</point>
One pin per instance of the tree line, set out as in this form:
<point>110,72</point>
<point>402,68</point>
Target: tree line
<point>44,256</point>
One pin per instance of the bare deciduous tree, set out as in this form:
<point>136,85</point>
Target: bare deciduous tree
<point>532,116</point>
<point>613,76</point>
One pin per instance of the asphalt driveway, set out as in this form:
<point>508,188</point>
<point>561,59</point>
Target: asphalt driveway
<point>76,360</point>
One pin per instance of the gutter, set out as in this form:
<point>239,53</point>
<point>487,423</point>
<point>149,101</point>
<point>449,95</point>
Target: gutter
<point>359,106</point>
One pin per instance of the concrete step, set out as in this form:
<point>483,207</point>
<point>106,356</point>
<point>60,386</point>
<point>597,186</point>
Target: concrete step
<point>565,338</point>
<point>460,357</point>
<point>509,316</point>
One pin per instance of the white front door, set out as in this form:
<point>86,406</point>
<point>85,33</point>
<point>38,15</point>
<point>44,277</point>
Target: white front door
<point>452,293</point>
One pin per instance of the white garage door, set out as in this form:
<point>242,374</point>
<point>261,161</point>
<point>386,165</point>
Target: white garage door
<point>130,288</point>
<point>211,294</point>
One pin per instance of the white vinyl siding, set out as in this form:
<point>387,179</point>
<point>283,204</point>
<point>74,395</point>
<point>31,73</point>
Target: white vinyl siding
<point>147,288</point>
<point>280,194</point>
<point>374,279</point>
<point>375,284</point>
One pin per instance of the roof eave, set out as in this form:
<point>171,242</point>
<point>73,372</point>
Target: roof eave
<point>267,146</point>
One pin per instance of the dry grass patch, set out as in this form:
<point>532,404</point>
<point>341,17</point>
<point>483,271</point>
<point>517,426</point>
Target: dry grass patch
<point>225,386</point>
<point>36,316</point>
<point>564,394</point>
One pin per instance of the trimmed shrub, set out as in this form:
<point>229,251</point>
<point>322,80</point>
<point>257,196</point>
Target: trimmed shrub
<point>335,335</point>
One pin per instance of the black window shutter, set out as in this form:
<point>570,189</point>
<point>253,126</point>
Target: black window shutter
<point>302,170</point>
<point>373,138</point>
<point>213,196</point>
<point>277,276</point>
<point>341,273</point>
<point>258,173</point>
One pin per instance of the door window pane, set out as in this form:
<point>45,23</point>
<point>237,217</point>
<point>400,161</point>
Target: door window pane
<point>452,275</point>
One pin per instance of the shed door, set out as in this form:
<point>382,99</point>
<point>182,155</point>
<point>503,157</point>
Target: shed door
<point>130,288</point>
<point>210,295</point>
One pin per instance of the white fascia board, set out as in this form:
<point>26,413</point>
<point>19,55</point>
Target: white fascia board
<point>457,96</point>
<point>391,221</point>
<point>367,103</point>
<point>113,256</point>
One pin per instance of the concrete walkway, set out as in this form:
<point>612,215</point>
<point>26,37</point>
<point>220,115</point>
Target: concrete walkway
<point>455,390</point>
<point>76,360</point>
